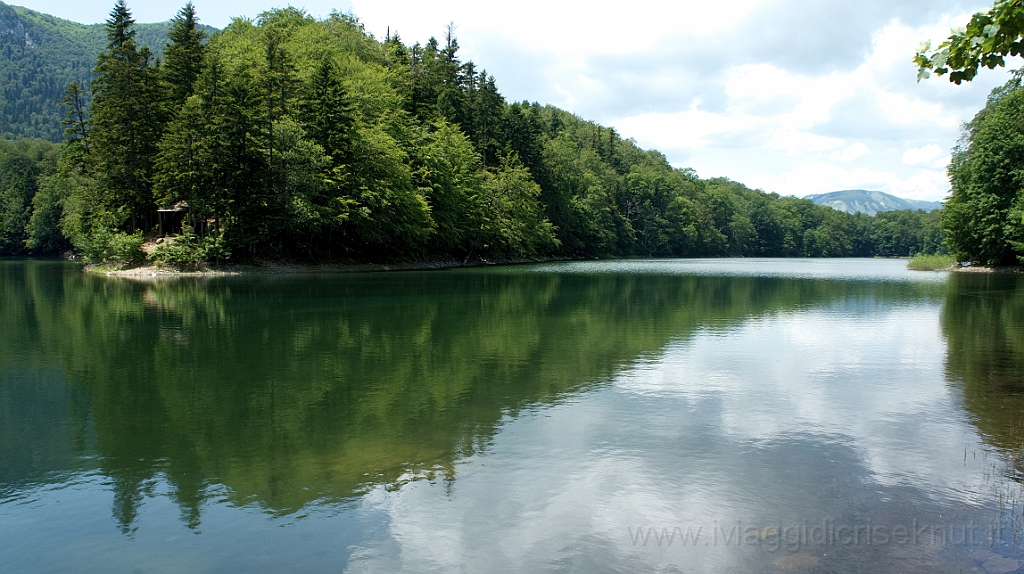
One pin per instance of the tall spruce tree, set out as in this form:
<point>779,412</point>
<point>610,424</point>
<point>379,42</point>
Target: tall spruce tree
<point>237,171</point>
<point>486,109</point>
<point>328,117</point>
<point>76,130</point>
<point>127,123</point>
<point>424,80</point>
<point>183,56</point>
<point>521,132</point>
<point>120,26</point>
<point>278,89</point>
<point>451,103</point>
<point>327,113</point>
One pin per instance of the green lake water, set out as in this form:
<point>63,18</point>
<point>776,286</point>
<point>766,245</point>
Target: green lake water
<point>623,416</point>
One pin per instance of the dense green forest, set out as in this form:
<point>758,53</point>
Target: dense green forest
<point>294,138</point>
<point>29,212</point>
<point>984,216</point>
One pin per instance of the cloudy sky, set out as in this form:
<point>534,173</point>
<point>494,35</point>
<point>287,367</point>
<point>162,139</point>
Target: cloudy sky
<point>790,96</point>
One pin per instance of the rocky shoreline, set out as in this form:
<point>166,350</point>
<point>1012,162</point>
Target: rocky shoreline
<point>1012,269</point>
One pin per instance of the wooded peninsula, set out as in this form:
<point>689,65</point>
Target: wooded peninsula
<point>288,138</point>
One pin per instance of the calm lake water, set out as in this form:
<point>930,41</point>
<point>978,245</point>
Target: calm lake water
<point>631,416</point>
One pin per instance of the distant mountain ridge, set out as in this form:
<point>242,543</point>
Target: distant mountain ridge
<point>39,56</point>
<point>869,202</point>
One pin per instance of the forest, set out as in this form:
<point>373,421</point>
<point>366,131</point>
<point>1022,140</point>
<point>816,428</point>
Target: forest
<point>292,138</point>
<point>984,215</point>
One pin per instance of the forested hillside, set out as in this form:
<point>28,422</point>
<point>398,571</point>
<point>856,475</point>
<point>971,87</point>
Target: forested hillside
<point>39,56</point>
<point>294,138</point>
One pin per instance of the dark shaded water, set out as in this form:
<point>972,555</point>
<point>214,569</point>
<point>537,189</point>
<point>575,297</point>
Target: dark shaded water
<point>691,416</point>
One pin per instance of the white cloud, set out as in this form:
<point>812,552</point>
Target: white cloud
<point>800,126</point>
<point>795,142</point>
<point>855,151</point>
<point>689,129</point>
<point>930,156</point>
<point>560,27</point>
<point>823,177</point>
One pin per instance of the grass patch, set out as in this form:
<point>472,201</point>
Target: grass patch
<point>934,262</point>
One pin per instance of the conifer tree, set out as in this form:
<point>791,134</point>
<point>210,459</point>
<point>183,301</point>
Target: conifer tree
<point>76,131</point>
<point>229,119</point>
<point>327,113</point>
<point>423,69</point>
<point>120,26</point>
<point>183,56</point>
<point>451,103</point>
<point>278,85</point>
<point>521,131</point>
<point>127,122</point>
<point>487,108</point>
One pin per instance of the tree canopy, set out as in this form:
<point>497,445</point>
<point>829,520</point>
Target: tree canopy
<point>986,41</point>
<point>984,216</point>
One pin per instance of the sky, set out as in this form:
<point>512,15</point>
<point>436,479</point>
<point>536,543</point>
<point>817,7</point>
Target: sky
<point>789,96</point>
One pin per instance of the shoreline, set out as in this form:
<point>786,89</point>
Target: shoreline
<point>1008,270</point>
<point>149,272</point>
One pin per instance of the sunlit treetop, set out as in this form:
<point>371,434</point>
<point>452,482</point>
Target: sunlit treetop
<point>986,41</point>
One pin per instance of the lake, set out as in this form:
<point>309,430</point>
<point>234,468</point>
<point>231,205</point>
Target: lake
<point>731,415</point>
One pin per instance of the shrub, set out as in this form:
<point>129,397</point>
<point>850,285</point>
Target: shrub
<point>108,246</point>
<point>190,252</point>
<point>933,262</point>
